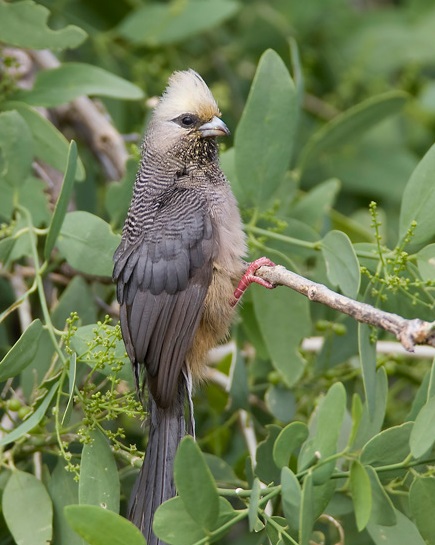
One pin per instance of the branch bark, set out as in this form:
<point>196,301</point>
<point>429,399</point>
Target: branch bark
<point>408,332</point>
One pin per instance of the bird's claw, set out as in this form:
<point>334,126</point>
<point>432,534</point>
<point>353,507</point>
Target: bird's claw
<point>249,277</point>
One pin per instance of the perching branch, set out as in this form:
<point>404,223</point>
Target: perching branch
<point>408,332</point>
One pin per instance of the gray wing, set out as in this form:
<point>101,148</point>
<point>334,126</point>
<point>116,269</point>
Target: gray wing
<point>162,280</point>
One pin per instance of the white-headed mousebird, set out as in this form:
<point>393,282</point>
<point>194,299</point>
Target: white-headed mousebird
<point>179,271</point>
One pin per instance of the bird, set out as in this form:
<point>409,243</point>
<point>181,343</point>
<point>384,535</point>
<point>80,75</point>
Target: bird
<point>179,272</point>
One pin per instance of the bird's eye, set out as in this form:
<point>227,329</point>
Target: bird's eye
<point>187,121</point>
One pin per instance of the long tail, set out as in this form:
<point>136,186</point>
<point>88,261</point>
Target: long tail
<point>155,483</point>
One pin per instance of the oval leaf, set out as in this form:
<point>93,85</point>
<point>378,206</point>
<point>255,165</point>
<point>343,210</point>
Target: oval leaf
<point>32,421</point>
<point>307,516</point>
<point>87,243</point>
<point>71,80</point>
<point>265,135</point>
<point>159,23</point>
<point>426,262</point>
<point>418,202</point>
<point>423,433</point>
<point>291,498</point>
<point>24,24</point>
<point>63,491</point>
<point>22,353</point>
<point>27,509</point>
<point>361,494</point>
<point>173,524</point>
<point>403,532</point>
<point>391,446</point>
<point>325,429</point>
<point>49,143</point>
<point>351,124</point>
<point>99,481</point>
<point>195,484</point>
<point>16,149</point>
<point>62,201</point>
<point>342,266</point>
<point>421,502</point>
<point>288,441</point>
<point>284,320</point>
<point>101,527</point>
<point>367,354</point>
<point>383,511</point>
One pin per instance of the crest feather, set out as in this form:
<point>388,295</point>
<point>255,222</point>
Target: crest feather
<point>187,92</point>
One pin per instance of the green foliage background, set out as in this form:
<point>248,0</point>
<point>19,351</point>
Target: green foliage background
<point>332,108</point>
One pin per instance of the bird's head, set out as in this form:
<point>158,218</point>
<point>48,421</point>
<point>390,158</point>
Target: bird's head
<point>187,111</point>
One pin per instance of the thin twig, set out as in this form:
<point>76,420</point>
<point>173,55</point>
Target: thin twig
<point>408,332</point>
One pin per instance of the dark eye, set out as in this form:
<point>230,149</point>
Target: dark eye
<point>187,120</point>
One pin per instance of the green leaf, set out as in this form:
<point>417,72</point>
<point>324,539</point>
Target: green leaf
<point>361,494</point>
<point>159,24</point>
<point>307,517</point>
<point>403,532</point>
<point>291,498</point>
<point>284,320</point>
<point>266,470</point>
<point>16,149</point>
<point>118,195</point>
<point>99,526</point>
<point>367,354</point>
<point>357,412</point>
<point>254,498</point>
<point>325,427</point>
<point>87,243</point>
<point>288,441</point>
<point>314,207</point>
<point>173,524</point>
<point>99,481</point>
<point>239,388</point>
<point>418,202</point>
<point>342,266</point>
<point>75,298</point>
<point>27,509</point>
<point>195,484</point>
<point>24,24</point>
<point>71,80</point>
<point>423,433</point>
<point>391,446</point>
<point>63,491</point>
<point>426,262</point>
<point>281,402</point>
<point>6,246</point>
<point>32,421</point>
<point>370,426</point>
<point>265,134</point>
<point>49,143</point>
<point>222,472</point>
<point>421,503</point>
<point>351,124</point>
<point>22,353</point>
<point>63,200</point>
<point>383,511</point>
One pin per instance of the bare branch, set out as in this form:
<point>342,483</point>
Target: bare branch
<point>408,332</point>
<point>103,138</point>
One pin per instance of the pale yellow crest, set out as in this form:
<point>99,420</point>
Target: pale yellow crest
<point>186,92</point>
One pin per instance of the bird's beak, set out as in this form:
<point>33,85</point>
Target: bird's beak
<point>215,127</point>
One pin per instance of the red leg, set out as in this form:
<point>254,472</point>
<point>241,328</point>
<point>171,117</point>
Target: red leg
<point>249,277</point>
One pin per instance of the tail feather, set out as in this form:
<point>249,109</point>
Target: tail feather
<point>155,483</point>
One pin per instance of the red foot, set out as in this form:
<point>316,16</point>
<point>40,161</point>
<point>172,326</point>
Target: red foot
<point>249,277</point>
